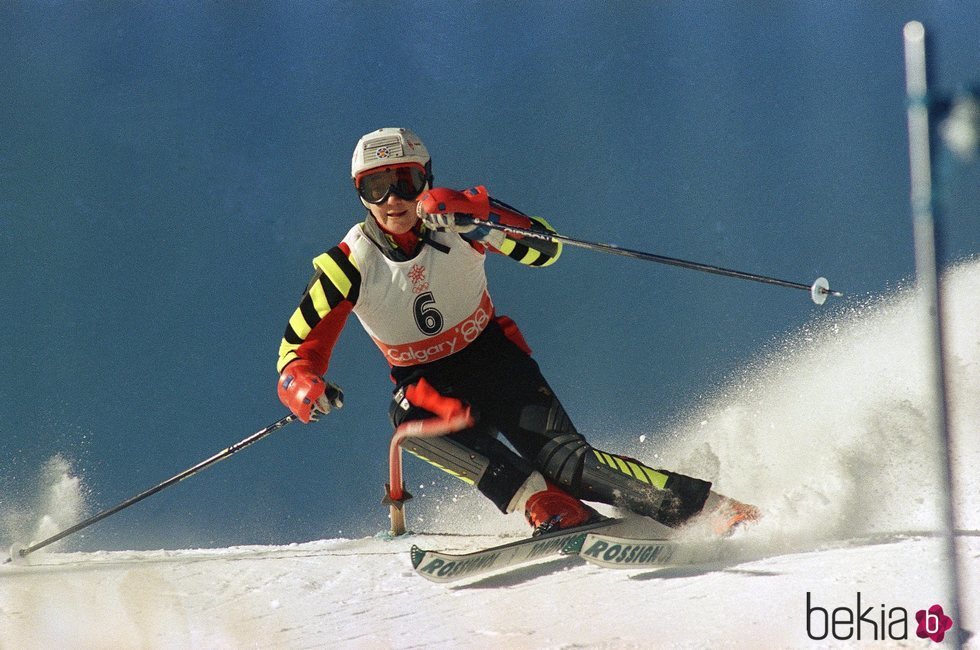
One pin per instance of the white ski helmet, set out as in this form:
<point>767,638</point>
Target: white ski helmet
<point>389,146</point>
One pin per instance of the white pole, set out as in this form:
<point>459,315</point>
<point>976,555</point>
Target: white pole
<point>927,276</point>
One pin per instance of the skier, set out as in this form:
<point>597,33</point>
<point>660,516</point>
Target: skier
<point>413,273</point>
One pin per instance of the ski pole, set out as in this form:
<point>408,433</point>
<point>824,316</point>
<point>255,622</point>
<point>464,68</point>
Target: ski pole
<point>221,455</point>
<point>819,290</point>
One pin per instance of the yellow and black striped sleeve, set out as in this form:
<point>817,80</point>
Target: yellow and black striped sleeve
<point>530,251</point>
<point>322,312</point>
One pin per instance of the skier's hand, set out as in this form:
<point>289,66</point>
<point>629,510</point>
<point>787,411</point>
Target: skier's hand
<point>332,398</point>
<point>447,221</point>
<point>448,209</point>
<point>305,393</point>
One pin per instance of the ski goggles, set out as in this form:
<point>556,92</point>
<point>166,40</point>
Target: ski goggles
<point>405,182</point>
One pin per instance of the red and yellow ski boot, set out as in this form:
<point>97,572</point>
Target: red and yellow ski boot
<point>726,515</point>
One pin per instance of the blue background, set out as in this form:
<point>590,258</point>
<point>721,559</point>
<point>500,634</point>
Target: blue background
<point>168,171</point>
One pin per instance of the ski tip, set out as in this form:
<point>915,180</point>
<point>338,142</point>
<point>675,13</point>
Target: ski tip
<point>417,555</point>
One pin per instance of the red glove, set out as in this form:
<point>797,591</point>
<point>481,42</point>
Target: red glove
<point>440,207</point>
<point>305,393</point>
<point>450,414</point>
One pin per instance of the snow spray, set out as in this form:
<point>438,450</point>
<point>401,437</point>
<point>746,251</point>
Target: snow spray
<point>57,500</point>
<point>831,432</point>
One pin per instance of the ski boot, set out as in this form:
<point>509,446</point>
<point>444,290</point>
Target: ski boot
<point>725,515</point>
<point>554,509</point>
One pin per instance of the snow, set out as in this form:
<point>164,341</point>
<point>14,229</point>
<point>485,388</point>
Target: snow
<point>829,432</point>
<point>363,594</point>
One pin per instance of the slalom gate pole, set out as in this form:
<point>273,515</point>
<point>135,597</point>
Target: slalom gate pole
<point>395,493</point>
<point>819,290</point>
<point>221,455</point>
<point>928,281</point>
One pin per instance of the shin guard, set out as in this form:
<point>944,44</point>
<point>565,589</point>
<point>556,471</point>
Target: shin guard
<point>667,497</point>
<point>568,460</point>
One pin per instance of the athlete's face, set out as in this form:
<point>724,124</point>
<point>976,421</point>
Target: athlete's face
<point>395,214</point>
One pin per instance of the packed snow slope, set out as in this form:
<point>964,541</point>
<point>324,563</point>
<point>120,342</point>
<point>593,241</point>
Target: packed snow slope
<point>830,433</point>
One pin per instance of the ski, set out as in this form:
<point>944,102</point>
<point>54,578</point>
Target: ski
<point>612,552</point>
<point>614,543</point>
<point>439,566</point>
<point>650,548</point>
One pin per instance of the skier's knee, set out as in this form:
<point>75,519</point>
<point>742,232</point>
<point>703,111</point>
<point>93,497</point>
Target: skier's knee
<point>560,457</point>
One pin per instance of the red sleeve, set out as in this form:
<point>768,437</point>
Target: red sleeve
<point>319,345</point>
